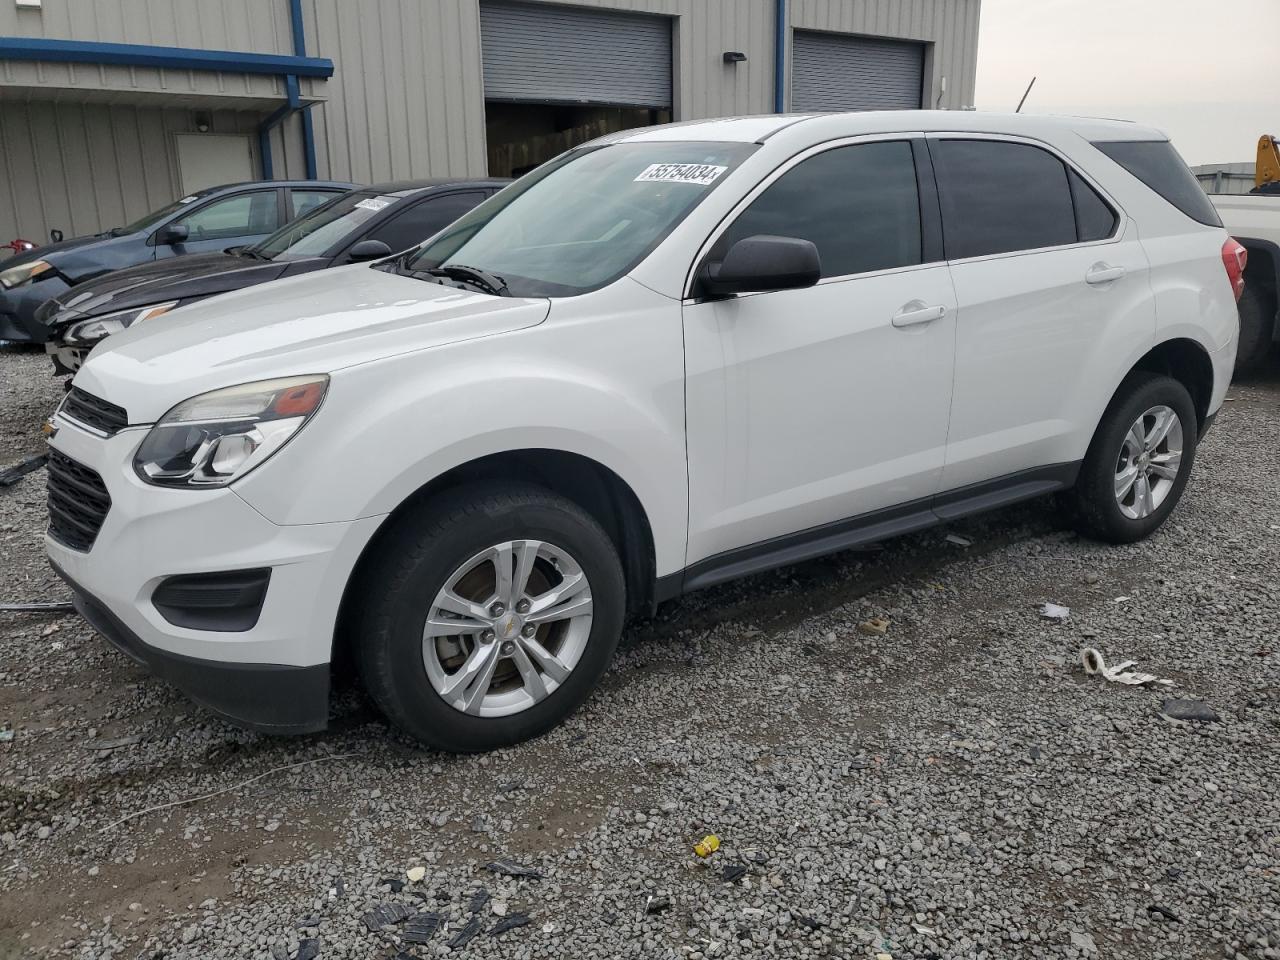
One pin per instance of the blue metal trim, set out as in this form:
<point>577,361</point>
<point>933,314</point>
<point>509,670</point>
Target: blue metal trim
<point>780,59</point>
<point>163,58</point>
<point>294,102</point>
<point>298,27</point>
<point>264,150</point>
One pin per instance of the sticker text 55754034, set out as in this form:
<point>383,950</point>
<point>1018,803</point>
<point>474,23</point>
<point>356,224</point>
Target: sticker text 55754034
<point>703,174</point>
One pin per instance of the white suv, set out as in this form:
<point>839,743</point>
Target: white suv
<point>667,358</point>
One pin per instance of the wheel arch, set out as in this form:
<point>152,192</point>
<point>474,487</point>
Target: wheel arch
<point>594,487</point>
<point>1186,361</point>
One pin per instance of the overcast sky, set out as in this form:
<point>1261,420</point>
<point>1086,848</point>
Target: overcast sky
<point>1206,73</point>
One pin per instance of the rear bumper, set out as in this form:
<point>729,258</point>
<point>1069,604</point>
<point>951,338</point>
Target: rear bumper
<point>273,698</point>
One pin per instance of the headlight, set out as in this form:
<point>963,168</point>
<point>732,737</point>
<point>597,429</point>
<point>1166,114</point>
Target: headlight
<point>216,438</point>
<point>88,332</point>
<point>23,272</point>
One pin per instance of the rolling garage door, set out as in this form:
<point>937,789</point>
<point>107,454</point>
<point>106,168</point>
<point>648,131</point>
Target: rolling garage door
<point>535,53</point>
<point>831,71</point>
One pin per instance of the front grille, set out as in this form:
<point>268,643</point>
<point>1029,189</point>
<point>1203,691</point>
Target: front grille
<point>78,502</point>
<point>84,407</point>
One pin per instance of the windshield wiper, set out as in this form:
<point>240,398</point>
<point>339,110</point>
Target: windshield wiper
<point>250,252</point>
<point>474,276</point>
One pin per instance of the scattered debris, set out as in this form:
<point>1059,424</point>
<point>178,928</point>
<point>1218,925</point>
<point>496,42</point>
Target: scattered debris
<point>1164,912</point>
<point>1052,611</point>
<point>1094,665</point>
<point>306,922</point>
<point>707,845</point>
<point>875,627</point>
<point>478,900</point>
<point>6,736</point>
<point>1122,599</point>
<point>924,931</point>
<point>58,606</point>
<point>809,922</point>
<point>11,475</point>
<point>395,884</point>
<point>420,927</point>
<point>733,872</point>
<point>308,949</point>
<point>1034,752</point>
<point>1195,710</point>
<point>415,874</point>
<point>384,915</point>
<point>958,540</point>
<point>466,934</point>
<point>657,904</point>
<point>509,922</point>
<point>509,868</point>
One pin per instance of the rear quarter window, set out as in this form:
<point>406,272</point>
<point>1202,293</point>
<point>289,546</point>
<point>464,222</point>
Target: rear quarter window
<point>1158,165</point>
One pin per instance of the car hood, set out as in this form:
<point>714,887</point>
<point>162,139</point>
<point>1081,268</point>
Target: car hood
<point>52,252</point>
<point>177,278</point>
<point>314,323</point>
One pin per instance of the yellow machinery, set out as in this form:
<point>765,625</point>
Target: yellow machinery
<point>1266,174</point>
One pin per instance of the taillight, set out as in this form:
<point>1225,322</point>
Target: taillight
<point>1234,258</point>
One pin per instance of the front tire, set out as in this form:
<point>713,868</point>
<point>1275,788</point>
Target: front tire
<point>489,615</point>
<point>1139,461</point>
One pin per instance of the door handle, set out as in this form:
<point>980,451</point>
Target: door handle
<point>1103,273</point>
<point>916,312</point>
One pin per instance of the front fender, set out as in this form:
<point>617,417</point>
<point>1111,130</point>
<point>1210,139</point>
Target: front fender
<point>602,378</point>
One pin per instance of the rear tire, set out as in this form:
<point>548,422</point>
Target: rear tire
<point>1257,309</point>
<point>1129,485</point>
<point>442,561</point>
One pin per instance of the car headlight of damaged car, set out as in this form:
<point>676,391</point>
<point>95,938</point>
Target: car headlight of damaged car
<point>23,273</point>
<point>91,331</point>
<point>216,438</point>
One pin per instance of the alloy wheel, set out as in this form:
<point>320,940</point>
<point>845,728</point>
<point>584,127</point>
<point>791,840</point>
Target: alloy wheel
<point>507,628</point>
<point>1149,462</point>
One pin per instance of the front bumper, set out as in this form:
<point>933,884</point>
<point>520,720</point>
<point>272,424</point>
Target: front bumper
<point>272,676</point>
<point>18,309</point>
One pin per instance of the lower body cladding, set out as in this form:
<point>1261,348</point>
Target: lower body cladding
<point>234,610</point>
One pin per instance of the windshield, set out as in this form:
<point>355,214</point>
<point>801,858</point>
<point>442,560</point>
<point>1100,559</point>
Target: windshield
<point>314,234</point>
<point>157,215</point>
<point>581,221</point>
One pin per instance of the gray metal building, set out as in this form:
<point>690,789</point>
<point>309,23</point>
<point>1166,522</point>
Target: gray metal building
<point>110,108</point>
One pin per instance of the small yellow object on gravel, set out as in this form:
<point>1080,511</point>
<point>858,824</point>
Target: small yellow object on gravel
<point>415,874</point>
<point>875,627</point>
<point>707,845</point>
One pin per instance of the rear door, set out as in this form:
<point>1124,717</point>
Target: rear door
<point>1052,285</point>
<point>807,408</point>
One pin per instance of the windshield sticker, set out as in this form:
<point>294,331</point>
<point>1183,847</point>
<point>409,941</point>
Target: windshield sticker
<point>703,174</point>
<point>188,199</point>
<point>373,203</point>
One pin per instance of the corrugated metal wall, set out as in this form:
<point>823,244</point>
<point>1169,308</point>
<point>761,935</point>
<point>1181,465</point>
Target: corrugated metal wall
<point>407,100</point>
<point>82,168</point>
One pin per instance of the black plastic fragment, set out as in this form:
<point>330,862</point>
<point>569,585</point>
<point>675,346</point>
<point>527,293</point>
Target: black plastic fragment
<point>420,927</point>
<point>733,872</point>
<point>466,934</point>
<point>509,868</point>
<point>308,949</point>
<point>1164,912</point>
<point>657,905</point>
<point>384,915</point>
<point>395,883</point>
<point>509,922</point>
<point>1196,710</point>
<point>307,922</point>
<point>478,900</point>
<point>809,922</point>
<point>11,475</point>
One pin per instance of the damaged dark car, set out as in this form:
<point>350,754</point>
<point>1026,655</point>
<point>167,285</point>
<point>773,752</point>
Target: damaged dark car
<point>365,224</point>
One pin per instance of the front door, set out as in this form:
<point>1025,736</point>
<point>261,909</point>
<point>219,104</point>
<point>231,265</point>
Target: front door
<point>808,407</point>
<point>234,221</point>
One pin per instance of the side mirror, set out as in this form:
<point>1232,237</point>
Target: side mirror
<point>761,263</point>
<point>368,250</point>
<point>55,236</point>
<point>172,235</point>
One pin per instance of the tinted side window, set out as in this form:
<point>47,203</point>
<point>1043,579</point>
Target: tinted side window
<point>997,197</point>
<point>858,204</point>
<point>244,215</point>
<point>304,201</point>
<point>424,219</point>
<point>1158,165</point>
<point>1095,220</point>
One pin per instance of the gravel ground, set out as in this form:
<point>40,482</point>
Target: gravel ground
<point>955,788</point>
